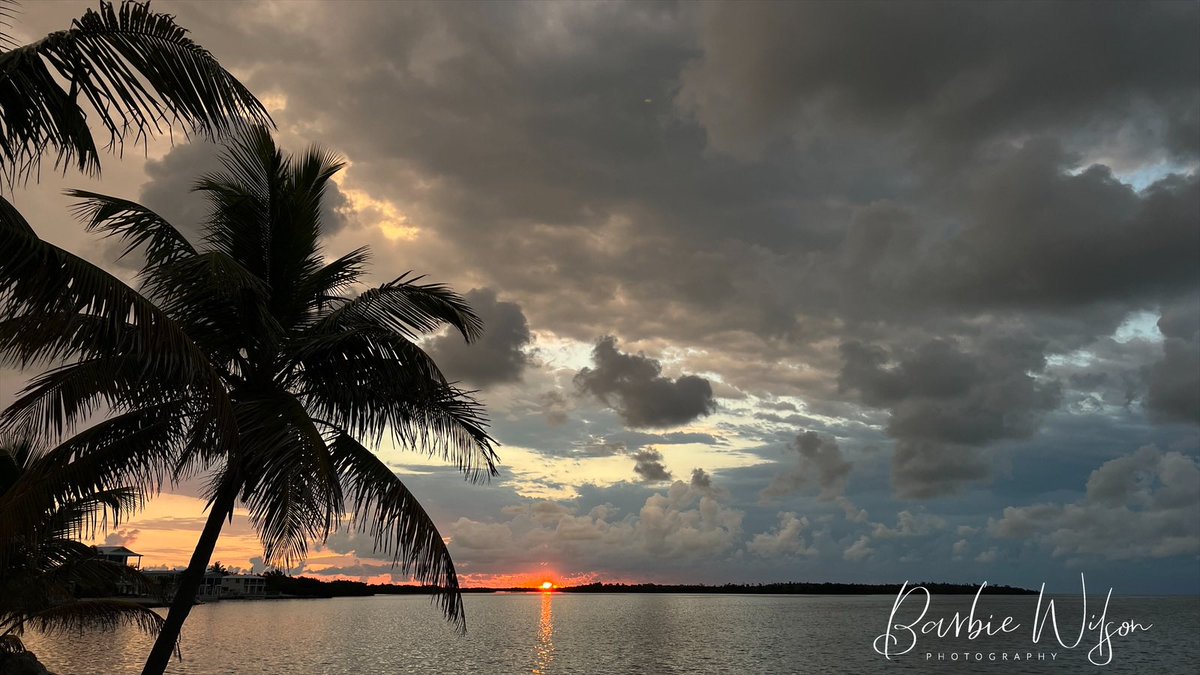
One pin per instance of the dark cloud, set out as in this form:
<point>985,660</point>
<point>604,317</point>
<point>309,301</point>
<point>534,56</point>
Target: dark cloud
<point>637,439</point>
<point>779,405</point>
<point>947,401</point>
<point>1038,236</point>
<point>554,406</point>
<point>496,358</point>
<point>601,448</point>
<point>951,76</point>
<point>168,188</point>
<point>648,465</point>
<point>1174,381</point>
<point>634,386</point>
<point>821,463</point>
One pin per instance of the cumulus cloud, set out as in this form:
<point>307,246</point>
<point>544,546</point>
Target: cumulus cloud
<point>470,534</point>
<point>946,402</point>
<point>633,385</point>
<point>860,550</point>
<point>821,463</point>
<point>989,556</point>
<point>1174,381</point>
<point>684,524</point>
<point>496,358</point>
<point>122,537</point>
<point>1141,505</point>
<point>554,406</point>
<point>960,548</point>
<point>909,524</point>
<point>786,539</point>
<point>649,467</point>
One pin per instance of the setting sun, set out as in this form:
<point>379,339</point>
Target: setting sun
<point>547,586</point>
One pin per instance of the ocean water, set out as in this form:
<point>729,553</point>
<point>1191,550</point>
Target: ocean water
<point>641,633</point>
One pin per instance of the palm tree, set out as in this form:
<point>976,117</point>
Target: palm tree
<point>283,382</point>
<point>48,501</point>
<point>139,74</point>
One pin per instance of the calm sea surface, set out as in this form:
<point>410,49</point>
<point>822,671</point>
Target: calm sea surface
<point>630,633</point>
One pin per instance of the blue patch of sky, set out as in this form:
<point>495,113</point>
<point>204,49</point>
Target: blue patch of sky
<point>1149,174</point>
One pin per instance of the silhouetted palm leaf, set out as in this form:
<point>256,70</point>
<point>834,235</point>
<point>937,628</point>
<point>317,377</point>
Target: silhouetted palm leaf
<point>384,508</point>
<point>49,500</point>
<point>138,72</point>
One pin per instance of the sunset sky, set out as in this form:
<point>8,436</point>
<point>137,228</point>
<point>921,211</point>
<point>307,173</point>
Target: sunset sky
<point>783,291</point>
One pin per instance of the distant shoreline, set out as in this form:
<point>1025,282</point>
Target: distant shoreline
<point>307,587</point>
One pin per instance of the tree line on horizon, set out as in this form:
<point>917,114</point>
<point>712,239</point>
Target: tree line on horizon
<point>245,356</point>
<point>279,582</point>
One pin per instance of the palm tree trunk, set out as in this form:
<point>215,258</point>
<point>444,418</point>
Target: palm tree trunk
<point>190,579</point>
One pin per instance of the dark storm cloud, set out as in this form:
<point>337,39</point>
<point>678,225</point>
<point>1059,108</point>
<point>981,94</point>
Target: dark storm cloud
<point>168,191</point>
<point>1036,236</point>
<point>821,463</point>
<point>947,401</point>
<point>1174,381</point>
<point>554,408</point>
<point>649,467</point>
<point>567,191</point>
<point>633,385</point>
<point>912,178</point>
<point>949,75</point>
<point>497,357</point>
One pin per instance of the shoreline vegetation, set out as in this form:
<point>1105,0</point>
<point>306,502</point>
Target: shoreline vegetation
<point>309,587</point>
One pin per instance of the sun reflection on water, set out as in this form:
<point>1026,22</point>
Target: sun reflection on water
<point>544,655</point>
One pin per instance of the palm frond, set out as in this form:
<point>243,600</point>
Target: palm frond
<point>94,614</point>
<point>43,282</point>
<point>244,199</point>
<point>291,486</point>
<point>11,218</point>
<point>370,381</point>
<point>335,277</point>
<point>139,73</point>
<point>137,225</point>
<point>408,308</point>
<point>132,451</point>
<point>386,509</point>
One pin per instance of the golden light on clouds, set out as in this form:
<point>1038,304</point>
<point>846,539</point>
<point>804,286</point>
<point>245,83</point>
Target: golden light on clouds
<point>275,102</point>
<point>381,213</point>
<point>165,533</point>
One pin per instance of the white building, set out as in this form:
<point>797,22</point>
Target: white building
<point>243,586</point>
<point>216,586</point>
